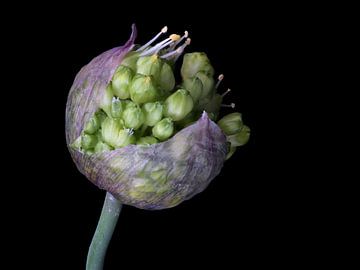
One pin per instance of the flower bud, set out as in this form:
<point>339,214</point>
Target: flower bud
<point>121,80</point>
<point>208,88</point>
<point>92,125</point>
<point>143,90</point>
<point>152,112</point>
<point>241,137</point>
<point>117,107</point>
<point>178,105</point>
<point>163,129</point>
<point>106,100</point>
<point>129,104</point>
<point>102,147</point>
<point>231,123</point>
<point>213,106</point>
<point>130,60</point>
<point>133,117</point>
<point>167,79</point>
<point>88,141</point>
<point>195,62</point>
<point>194,86</point>
<point>149,65</point>
<point>147,140</point>
<point>115,135</point>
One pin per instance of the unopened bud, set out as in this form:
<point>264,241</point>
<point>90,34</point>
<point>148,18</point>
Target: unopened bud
<point>147,140</point>
<point>208,88</point>
<point>121,81</point>
<point>106,101</point>
<point>133,117</point>
<point>92,125</point>
<point>88,141</point>
<point>167,79</point>
<point>178,105</point>
<point>163,129</point>
<point>130,60</point>
<point>231,123</point>
<point>149,65</point>
<point>153,113</point>
<point>117,107</point>
<point>102,147</point>
<point>143,90</point>
<point>195,62</point>
<point>194,86</point>
<point>240,138</point>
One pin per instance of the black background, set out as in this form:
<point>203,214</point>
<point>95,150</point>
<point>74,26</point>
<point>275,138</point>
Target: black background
<point>240,219</point>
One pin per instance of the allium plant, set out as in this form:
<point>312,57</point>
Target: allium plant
<point>149,141</point>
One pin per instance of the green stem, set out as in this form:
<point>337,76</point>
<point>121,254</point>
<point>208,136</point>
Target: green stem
<point>104,230</point>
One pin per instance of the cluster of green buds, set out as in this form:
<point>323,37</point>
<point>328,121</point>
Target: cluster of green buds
<point>142,104</point>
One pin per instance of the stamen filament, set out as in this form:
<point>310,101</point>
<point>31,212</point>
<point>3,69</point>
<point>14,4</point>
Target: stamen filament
<point>161,45</point>
<point>226,92</point>
<point>163,30</point>
<point>220,78</point>
<point>232,105</point>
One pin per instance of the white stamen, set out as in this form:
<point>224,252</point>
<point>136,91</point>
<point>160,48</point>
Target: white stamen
<point>182,48</point>
<point>226,92</point>
<point>178,50</point>
<point>186,34</point>
<point>232,105</point>
<point>220,78</point>
<point>163,30</point>
<point>172,38</point>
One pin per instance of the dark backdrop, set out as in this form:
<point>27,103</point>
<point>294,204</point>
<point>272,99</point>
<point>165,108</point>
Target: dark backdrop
<point>240,219</point>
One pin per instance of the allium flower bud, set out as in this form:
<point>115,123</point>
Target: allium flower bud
<point>195,62</point>
<point>117,107</point>
<point>231,123</point>
<point>133,117</point>
<point>163,129</point>
<point>116,134</point>
<point>167,80</point>
<point>178,105</point>
<point>147,140</point>
<point>240,138</point>
<point>153,113</point>
<point>143,89</point>
<point>194,86</point>
<point>149,65</point>
<point>92,125</point>
<point>88,141</point>
<point>121,81</point>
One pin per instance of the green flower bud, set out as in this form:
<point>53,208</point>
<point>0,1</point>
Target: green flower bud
<point>163,129</point>
<point>149,65</point>
<point>194,86</point>
<point>130,60</point>
<point>110,130</point>
<point>101,116</point>
<point>240,138</point>
<point>148,140</point>
<point>231,123</point>
<point>133,117</point>
<point>195,62</point>
<point>178,105</point>
<point>106,101</point>
<point>92,125</point>
<point>143,90</point>
<point>208,88</point>
<point>117,107</point>
<point>102,147</point>
<point>213,106</point>
<point>153,113</point>
<point>129,104</point>
<point>121,80</point>
<point>167,79</point>
<point>88,141</point>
